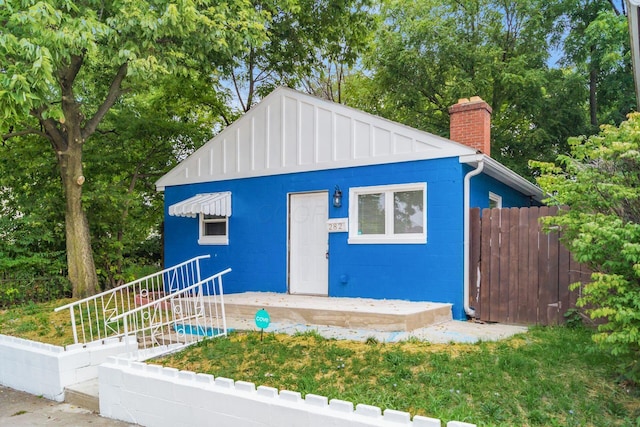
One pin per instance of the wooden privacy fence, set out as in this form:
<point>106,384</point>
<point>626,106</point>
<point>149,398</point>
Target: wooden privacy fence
<point>520,274</point>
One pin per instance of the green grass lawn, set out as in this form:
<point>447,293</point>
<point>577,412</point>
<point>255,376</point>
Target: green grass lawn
<point>546,377</point>
<point>38,322</point>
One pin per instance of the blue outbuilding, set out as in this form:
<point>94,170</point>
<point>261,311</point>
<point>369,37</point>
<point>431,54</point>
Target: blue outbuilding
<point>305,196</point>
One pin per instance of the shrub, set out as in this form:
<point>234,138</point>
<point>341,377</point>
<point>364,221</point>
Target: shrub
<point>16,289</point>
<point>600,182</point>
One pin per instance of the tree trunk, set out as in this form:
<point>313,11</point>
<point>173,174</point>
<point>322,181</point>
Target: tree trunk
<point>67,137</point>
<point>68,140</point>
<point>82,271</point>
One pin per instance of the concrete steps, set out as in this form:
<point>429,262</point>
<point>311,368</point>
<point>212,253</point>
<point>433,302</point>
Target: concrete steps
<point>84,395</point>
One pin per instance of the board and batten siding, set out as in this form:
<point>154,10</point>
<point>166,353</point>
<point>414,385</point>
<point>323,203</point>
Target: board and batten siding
<point>291,132</point>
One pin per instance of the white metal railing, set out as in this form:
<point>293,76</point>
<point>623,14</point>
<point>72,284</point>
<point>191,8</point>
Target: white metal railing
<point>182,317</point>
<point>93,318</point>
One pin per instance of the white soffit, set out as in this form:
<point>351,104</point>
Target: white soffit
<point>208,204</point>
<point>289,132</point>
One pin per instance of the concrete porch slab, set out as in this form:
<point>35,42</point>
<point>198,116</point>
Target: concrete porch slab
<point>358,313</point>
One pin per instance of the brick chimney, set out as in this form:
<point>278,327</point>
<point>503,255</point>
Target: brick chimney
<point>470,124</point>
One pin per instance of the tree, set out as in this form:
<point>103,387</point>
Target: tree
<point>64,64</point>
<point>428,55</point>
<point>310,44</point>
<point>597,47</point>
<point>600,182</point>
<point>143,137</point>
<point>140,139</point>
<point>31,212</point>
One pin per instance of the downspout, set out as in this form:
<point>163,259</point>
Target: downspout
<point>467,231</point>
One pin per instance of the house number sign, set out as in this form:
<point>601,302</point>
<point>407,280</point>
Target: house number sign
<point>338,225</point>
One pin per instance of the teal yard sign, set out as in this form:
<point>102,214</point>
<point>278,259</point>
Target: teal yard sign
<point>262,320</point>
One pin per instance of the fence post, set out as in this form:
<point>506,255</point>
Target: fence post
<point>224,317</point>
<point>73,325</point>
<point>126,326</point>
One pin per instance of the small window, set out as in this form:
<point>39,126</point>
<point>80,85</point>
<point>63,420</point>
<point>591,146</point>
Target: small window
<point>495,201</point>
<point>388,214</point>
<point>213,230</point>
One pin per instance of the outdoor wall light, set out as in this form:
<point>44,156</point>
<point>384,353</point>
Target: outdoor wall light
<point>337,197</point>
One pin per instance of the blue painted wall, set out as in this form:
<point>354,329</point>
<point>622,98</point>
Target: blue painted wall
<point>257,250</point>
<point>482,184</point>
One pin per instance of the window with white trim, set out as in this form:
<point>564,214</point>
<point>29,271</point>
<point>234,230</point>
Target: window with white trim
<point>495,200</point>
<point>214,230</point>
<point>388,214</point>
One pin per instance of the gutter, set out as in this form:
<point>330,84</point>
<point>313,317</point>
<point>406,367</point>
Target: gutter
<point>479,159</point>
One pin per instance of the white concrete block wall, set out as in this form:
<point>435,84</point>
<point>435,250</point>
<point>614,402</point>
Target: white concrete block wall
<point>45,370</point>
<point>26,366</point>
<point>151,395</point>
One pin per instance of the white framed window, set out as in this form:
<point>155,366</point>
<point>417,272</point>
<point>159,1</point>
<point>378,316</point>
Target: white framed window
<point>214,230</point>
<point>392,214</point>
<point>495,200</point>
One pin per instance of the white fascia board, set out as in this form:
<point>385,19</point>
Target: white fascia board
<point>505,175</point>
<point>409,157</point>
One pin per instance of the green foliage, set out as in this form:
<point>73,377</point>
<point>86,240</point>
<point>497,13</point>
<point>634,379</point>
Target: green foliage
<point>600,182</point>
<point>309,44</point>
<point>153,38</point>
<point>147,136</point>
<point>597,47</point>
<point>430,54</point>
<point>573,318</point>
<point>65,65</point>
<point>24,288</point>
<point>100,84</point>
<point>31,213</point>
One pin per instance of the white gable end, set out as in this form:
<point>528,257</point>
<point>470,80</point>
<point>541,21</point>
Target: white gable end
<point>292,132</point>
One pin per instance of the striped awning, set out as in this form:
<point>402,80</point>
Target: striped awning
<point>208,204</point>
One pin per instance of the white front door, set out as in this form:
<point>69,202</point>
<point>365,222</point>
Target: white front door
<point>308,244</point>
